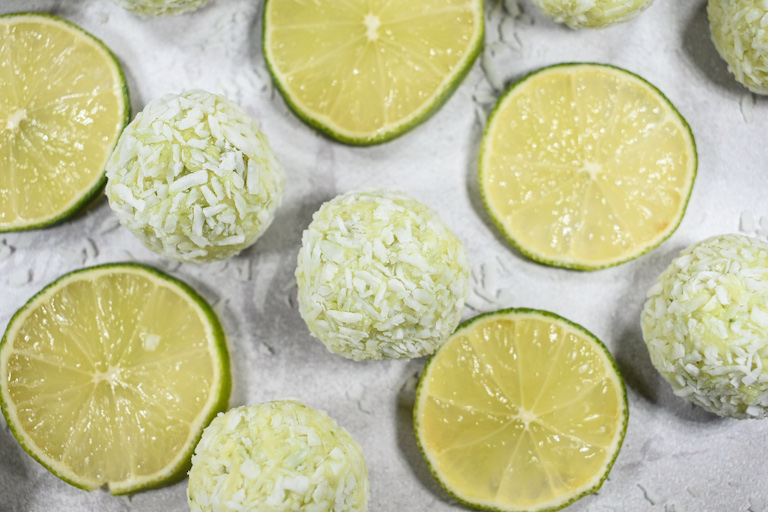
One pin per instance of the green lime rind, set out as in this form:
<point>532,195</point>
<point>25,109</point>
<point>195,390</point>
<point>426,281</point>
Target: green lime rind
<point>428,110</point>
<point>512,312</point>
<point>568,264</point>
<point>91,194</point>
<point>220,356</point>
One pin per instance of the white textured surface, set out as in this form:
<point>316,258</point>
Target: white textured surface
<point>675,456</point>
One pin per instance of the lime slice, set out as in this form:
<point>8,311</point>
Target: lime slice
<point>586,166</point>
<point>364,72</point>
<point>109,375</point>
<point>63,104</point>
<point>521,410</point>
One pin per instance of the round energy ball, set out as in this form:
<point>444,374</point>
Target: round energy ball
<point>592,13</point>
<point>740,33</point>
<point>278,456</point>
<point>706,325</point>
<point>380,277</point>
<point>160,7</point>
<point>193,177</point>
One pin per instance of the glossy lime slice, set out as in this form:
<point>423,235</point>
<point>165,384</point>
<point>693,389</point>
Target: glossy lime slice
<point>109,375</point>
<point>520,410</point>
<point>63,104</point>
<point>586,166</point>
<point>364,72</point>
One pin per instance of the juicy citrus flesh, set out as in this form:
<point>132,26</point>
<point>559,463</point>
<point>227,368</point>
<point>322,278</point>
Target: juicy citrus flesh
<point>110,374</point>
<point>586,166</point>
<point>364,71</point>
<point>62,107</point>
<point>521,410</point>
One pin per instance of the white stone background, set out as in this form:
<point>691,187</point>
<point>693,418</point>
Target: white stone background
<point>675,457</point>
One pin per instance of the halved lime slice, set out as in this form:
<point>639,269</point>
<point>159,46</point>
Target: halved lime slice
<point>586,166</point>
<point>521,410</point>
<point>63,104</point>
<point>364,72</point>
<point>109,375</point>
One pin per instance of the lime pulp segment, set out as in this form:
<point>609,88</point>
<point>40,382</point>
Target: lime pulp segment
<point>63,104</point>
<point>586,166</point>
<point>365,71</point>
<point>109,375</point>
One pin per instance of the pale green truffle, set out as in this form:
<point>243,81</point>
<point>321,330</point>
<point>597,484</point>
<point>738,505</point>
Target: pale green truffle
<point>740,33</point>
<point>160,7</point>
<point>194,178</point>
<point>706,325</point>
<point>592,13</point>
<point>277,457</point>
<point>380,277</point>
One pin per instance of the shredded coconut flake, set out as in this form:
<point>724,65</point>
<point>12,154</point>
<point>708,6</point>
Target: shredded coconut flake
<point>747,223</point>
<point>20,277</point>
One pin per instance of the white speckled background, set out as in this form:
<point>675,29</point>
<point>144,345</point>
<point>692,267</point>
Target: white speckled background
<point>675,457</point>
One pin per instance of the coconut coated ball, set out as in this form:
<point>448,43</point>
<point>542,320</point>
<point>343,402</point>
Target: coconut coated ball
<point>160,7</point>
<point>380,277</point>
<point>278,456</point>
<point>592,13</point>
<point>194,178</point>
<point>740,33</point>
<point>706,325</point>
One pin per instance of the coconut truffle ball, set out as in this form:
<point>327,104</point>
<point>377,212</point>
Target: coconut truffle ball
<point>277,456</point>
<point>740,33</point>
<point>160,7</point>
<point>706,325</point>
<point>592,13</point>
<point>193,177</point>
<point>380,277</point>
